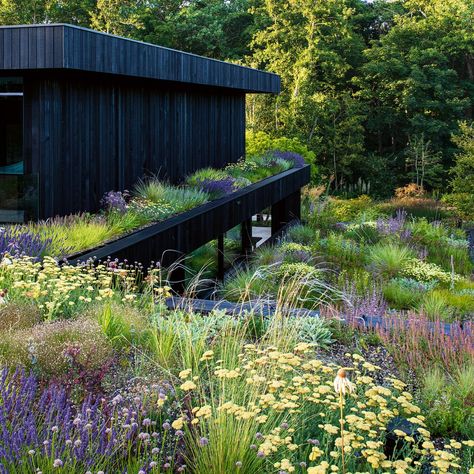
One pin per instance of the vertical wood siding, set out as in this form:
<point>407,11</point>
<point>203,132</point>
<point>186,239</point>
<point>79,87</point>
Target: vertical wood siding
<point>85,137</point>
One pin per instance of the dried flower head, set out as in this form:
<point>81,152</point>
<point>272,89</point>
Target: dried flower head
<point>342,384</point>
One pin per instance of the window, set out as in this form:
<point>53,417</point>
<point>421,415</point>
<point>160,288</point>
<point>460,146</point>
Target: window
<point>11,125</point>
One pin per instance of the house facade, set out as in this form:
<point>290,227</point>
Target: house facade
<point>83,112</point>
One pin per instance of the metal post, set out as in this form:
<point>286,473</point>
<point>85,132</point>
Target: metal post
<point>220,257</point>
<point>246,236</point>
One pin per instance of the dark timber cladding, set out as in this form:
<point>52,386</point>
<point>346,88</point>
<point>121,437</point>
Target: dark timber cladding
<point>102,111</point>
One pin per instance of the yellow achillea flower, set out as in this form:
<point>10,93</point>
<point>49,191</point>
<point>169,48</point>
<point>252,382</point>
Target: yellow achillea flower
<point>177,424</point>
<point>184,374</point>
<point>208,355</point>
<point>188,385</point>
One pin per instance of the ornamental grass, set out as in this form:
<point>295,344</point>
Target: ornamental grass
<point>267,409</point>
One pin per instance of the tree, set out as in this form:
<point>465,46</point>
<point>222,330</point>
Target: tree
<point>422,162</point>
<point>415,78</point>
<point>462,183</point>
<point>118,17</point>
<point>315,49</point>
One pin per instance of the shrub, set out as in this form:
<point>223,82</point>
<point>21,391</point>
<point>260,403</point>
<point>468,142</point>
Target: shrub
<point>426,272</point>
<point>448,402</point>
<point>294,159</point>
<point>461,203</point>
<point>388,259</point>
<point>294,253</point>
<point>341,251</point>
<point>55,349</point>
<point>260,143</point>
<point>18,315</point>
<point>411,190</point>
<point>366,233</point>
<point>302,234</point>
<point>347,210</point>
<point>401,296</point>
<point>313,330</point>
<point>462,183</point>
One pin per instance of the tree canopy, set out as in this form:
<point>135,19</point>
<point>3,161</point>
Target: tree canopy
<point>370,88</point>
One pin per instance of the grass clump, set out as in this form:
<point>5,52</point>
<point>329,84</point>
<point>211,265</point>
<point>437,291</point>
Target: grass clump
<point>389,260</point>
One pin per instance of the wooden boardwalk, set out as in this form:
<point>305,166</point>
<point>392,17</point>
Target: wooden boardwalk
<point>265,309</point>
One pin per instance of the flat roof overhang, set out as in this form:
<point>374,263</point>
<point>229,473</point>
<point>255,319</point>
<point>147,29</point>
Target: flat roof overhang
<point>72,48</point>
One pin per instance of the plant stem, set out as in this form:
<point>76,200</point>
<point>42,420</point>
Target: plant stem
<point>341,421</point>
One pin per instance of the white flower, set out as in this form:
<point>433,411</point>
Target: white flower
<point>342,383</point>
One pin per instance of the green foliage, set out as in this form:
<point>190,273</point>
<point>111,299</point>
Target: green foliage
<point>302,234</point>
<point>435,307</point>
<point>75,233</point>
<point>448,401</point>
<point>426,272</point>
<point>49,348</point>
<point>260,143</point>
<point>312,330</point>
<point>388,259</point>
<point>423,163</point>
<point>401,296</point>
<point>366,233</point>
<point>462,184</point>
<point>123,324</point>
<point>180,199</point>
<point>460,304</point>
<point>345,210</point>
<point>341,251</point>
<point>314,48</point>
<point>205,174</point>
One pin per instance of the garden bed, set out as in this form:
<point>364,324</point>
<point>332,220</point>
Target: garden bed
<point>188,231</point>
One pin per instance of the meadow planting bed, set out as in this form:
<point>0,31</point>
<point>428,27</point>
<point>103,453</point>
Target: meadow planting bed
<point>152,202</point>
<point>100,375</point>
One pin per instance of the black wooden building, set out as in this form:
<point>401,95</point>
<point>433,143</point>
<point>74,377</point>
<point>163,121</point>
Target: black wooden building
<point>83,112</point>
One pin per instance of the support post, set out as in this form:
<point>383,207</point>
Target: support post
<point>220,257</point>
<point>286,210</point>
<point>246,237</point>
<point>177,277</point>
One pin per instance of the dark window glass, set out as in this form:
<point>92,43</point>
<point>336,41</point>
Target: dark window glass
<point>11,126</point>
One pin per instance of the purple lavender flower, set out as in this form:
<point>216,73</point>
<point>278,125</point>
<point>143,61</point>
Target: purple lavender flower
<point>356,307</point>
<point>296,160</point>
<point>115,201</point>
<point>392,225</point>
<point>19,241</point>
<point>46,421</point>
<point>217,187</point>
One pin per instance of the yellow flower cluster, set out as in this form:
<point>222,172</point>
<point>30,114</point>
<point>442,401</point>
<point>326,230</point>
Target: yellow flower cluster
<point>57,288</point>
<point>271,385</point>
